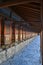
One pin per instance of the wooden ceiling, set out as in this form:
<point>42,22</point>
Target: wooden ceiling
<point>29,10</point>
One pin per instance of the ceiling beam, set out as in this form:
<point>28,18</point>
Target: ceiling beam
<point>34,6</point>
<point>13,3</point>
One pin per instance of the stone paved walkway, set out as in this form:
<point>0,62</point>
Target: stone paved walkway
<point>29,55</point>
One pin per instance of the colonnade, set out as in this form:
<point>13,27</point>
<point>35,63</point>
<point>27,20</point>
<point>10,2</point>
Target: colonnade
<point>11,32</point>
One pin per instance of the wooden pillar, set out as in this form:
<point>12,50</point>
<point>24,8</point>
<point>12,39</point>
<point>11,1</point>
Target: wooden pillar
<point>25,34</point>
<point>18,33</point>
<point>2,31</point>
<point>13,31</point>
<point>41,45</point>
<point>41,34</point>
<point>22,33</point>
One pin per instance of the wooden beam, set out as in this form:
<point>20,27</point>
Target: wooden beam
<point>12,3</point>
<point>32,5</point>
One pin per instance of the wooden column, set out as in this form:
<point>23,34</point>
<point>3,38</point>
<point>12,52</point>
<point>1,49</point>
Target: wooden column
<point>25,35</point>
<point>2,31</point>
<point>18,32</point>
<point>41,45</point>
<point>22,32</point>
<point>19,35</point>
<point>13,31</point>
<point>41,34</point>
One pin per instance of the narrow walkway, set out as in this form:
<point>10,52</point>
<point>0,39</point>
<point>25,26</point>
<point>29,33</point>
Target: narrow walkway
<point>30,55</point>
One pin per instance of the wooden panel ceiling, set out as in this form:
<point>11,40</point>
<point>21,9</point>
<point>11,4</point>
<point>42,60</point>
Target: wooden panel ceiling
<point>29,10</point>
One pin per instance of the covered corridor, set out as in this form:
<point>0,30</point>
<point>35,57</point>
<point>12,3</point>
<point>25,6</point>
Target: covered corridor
<point>21,21</point>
